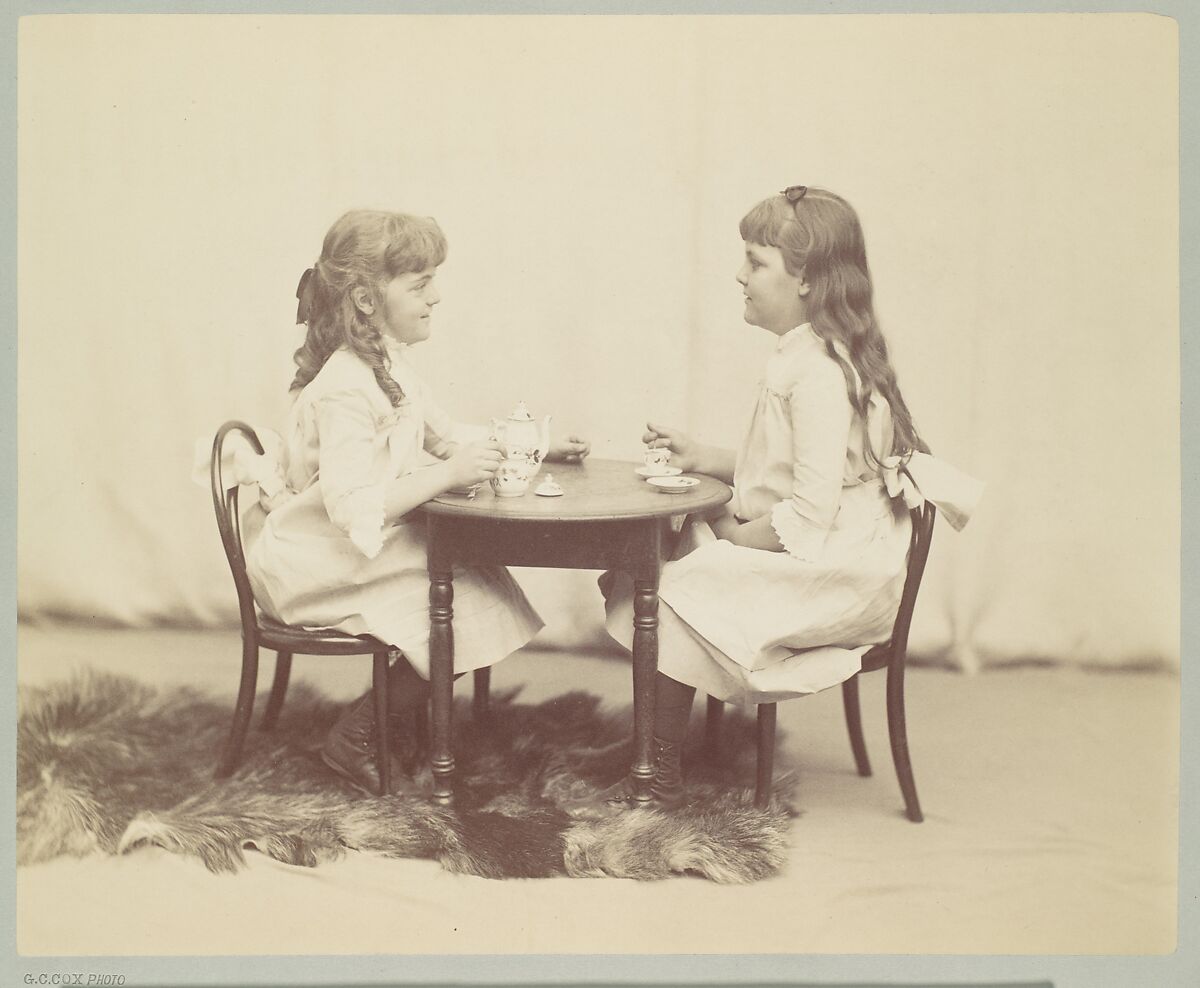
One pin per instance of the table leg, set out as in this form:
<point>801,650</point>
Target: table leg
<point>441,679</point>
<point>645,668</point>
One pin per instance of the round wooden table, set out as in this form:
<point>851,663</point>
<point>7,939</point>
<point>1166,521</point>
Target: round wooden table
<point>608,517</point>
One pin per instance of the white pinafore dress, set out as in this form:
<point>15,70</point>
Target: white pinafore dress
<point>754,626</point>
<point>324,557</point>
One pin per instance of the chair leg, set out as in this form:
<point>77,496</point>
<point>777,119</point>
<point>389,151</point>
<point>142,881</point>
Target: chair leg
<point>854,725</point>
<point>379,686</point>
<point>766,754</point>
<point>712,728</point>
<point>899,737</point>
<point>242,710</point>
<point>283,672</point>
<point>481,700</point>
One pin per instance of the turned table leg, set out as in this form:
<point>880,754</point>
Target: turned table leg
<point>441,679</point>
<point>645,668</point>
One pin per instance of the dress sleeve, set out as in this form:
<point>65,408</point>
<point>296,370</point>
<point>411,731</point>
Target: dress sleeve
<point>821,417</point>
<point>441,430</point>
<point>352,493</point>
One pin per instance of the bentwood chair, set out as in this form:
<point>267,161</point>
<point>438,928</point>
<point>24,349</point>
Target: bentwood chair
<point>891,656</point>
<point>259,631</point>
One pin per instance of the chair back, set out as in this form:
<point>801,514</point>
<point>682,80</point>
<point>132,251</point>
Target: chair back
<point>918,552</point>
<point>225,504</point>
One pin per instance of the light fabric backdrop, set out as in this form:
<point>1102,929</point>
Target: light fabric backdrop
<point>1016,176</point>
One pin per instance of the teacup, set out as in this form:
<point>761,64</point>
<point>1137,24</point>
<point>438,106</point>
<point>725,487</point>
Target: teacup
<point>512,478</point>
<point>657,457</point>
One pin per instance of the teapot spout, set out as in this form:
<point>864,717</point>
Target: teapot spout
<point>544,439</point>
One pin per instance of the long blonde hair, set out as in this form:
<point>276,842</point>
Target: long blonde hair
<point>363,249</point>
<point>820,237</point>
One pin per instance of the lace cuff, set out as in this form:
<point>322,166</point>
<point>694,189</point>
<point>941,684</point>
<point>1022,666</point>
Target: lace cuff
<point>360,515</point>
<point>800,538</point>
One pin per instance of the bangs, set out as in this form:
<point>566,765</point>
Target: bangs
<point>765,222</point>
<point>416,243</point>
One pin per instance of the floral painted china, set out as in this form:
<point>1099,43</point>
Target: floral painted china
<point>549,487</point>
<point>673,485</point>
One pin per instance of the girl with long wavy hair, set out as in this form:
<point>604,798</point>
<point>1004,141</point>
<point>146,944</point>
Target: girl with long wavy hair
<point>782,593</point>
<point>365,443</point>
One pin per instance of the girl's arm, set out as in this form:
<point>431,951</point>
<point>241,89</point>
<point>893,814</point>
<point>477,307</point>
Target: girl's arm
<point>444,437</point>
<point>689,455</point>
<point>821,419</point>
<point>357,499</point>
<point>470,463</point>
<point>757,534</point>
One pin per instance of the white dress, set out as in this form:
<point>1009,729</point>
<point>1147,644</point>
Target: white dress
<point>324,557</point>
<point>755,626</point>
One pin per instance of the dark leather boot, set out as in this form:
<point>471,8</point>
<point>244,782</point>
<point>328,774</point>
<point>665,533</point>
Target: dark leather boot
<point>666,788</point>
<point>350,747</point>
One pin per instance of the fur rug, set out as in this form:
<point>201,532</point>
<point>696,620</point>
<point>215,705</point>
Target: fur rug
<point>107,764</point>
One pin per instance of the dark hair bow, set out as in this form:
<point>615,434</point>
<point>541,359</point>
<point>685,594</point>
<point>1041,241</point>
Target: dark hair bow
<point>304,292</point>
<point>794,193</point>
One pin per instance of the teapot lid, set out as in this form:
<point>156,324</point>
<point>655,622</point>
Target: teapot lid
<point>521,413</point>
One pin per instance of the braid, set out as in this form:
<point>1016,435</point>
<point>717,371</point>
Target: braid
<point>324,334</point>
<point>367,342</point>
<point>364,249</point>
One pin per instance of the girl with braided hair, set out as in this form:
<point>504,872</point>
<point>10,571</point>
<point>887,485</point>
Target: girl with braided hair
<point>365,444</point>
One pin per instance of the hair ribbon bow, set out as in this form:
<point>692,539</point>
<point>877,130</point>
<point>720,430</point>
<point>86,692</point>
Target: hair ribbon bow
<point>304,291</point>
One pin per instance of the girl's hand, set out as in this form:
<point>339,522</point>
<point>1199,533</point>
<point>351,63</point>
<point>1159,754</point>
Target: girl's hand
<point>570,450</point>
<point>473,463</point>
<point>683,449</point>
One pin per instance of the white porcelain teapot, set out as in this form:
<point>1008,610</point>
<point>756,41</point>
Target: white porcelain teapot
<point>523,436</point>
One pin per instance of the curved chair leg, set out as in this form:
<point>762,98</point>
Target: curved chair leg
<point>854,725</point>
<point>712,728</point>
<point>766,754</point>
<point>379,688</point>
<point>481,700</point>
<point>242,710</point>
<point>283,672</point>
<point>898,734</point>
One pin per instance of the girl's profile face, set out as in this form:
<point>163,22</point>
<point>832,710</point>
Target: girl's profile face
<point>408,301</point>
<point>774,298</point>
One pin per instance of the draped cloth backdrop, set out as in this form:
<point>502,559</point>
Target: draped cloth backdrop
<point>1016,176</point>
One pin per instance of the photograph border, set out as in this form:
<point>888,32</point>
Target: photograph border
<point>1180,968</point>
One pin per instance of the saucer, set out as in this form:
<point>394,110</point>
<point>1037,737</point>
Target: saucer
<point>673,485</point>
<point>657,471</point>
<point>554,491</point>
